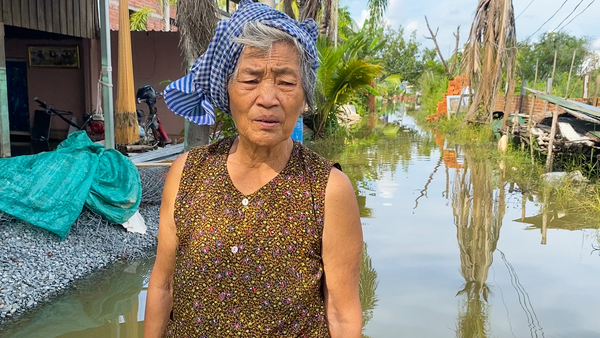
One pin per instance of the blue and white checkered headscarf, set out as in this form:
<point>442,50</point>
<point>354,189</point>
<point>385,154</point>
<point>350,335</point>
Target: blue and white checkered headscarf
<point>195,95</point>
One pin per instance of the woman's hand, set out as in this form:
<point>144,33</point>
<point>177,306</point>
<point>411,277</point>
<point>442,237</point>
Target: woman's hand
<point>342,248</point>
<point>159,299</point>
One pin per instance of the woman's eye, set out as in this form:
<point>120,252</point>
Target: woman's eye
<point>251,81</point>
<point>286,83</point>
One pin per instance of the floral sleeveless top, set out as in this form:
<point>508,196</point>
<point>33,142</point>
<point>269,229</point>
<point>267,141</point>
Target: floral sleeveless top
<point>249,265</point>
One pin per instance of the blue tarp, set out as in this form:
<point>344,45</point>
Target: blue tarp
<point>50,189</point>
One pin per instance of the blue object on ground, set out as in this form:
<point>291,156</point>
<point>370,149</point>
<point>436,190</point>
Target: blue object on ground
<point>50,189</point>
<point>298,133</point>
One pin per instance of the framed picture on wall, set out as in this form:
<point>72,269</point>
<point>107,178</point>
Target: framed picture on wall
<point>54,56</point>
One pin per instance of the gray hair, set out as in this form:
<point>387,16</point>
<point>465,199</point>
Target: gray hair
<point>261,36</point>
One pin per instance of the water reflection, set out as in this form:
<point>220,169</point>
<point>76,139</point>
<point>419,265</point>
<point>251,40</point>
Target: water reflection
<point>478,212</point>
<point>104,305</point>
<point>367,287</point>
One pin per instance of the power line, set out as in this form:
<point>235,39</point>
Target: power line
<point>588,6</point>
<point>573,11</point>
<point>553,15</point>
<point>524,10</point>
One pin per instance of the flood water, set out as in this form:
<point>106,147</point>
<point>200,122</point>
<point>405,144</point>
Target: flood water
<point>453,250</point>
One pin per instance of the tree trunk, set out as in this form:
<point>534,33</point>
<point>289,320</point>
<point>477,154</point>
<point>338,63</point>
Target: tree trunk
<point>197,20</point>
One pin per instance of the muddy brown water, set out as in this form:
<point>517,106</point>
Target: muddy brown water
<point>453,250</point>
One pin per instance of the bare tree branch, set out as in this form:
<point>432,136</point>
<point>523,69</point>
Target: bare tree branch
<point>455,61</point>
<point>437,47</point>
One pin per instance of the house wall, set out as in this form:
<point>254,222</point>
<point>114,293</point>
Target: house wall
<point>538,109</point>
<point>155,22</point>
<point>69,17</point>
<point>63,88</point>
<point>156,58</point>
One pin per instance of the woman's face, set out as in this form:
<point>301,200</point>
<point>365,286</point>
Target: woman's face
<point>266,97</point>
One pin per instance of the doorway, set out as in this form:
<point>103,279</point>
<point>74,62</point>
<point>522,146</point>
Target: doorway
<point>18,99</point>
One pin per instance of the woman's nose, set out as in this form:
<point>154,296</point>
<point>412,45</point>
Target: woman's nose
<point>267,97</point>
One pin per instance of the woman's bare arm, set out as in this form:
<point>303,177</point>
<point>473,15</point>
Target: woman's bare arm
<point>159,299</point>
<point>342,248</point>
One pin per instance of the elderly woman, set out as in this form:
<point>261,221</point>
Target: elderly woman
<point>258,235</point>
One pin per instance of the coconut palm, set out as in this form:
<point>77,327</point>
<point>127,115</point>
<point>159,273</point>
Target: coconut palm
<point>489,54</point>
<point>196,22</point>
<point>139,18</point>
<point>376,10</point>
<point>341,75</point>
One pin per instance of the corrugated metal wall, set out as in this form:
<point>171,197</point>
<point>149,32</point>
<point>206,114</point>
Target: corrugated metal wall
<point>68,17</point>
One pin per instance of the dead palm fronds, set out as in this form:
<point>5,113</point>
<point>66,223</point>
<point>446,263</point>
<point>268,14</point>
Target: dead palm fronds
<point>196,22</point>
<point>490,50</point>
<point>288,8</point>
<point>126,125</point>
<point>309,9</point>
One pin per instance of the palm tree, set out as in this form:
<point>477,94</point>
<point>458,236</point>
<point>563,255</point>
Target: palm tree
<point>309,9</point>
<point>376,10</point>
<point>196,22</point>
<point>341,74</point>
<point>492,34</point>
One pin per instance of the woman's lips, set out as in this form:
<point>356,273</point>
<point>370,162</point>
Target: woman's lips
<point>267,123</point>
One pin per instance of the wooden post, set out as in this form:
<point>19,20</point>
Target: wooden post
<point>550,159</point>
<point>595,97</point>
<point>4,119</point>
<point>553,69</point>
<point>523,205</point>
<point>586,86</point>
<point>570,72</point>
<point>531,110</point>
<point>507,103</point>
<point>544,220</point>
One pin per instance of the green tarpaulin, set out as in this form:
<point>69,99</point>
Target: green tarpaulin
<point>50,189</point>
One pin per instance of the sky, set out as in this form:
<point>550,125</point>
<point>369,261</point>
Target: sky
<point>448,14</point>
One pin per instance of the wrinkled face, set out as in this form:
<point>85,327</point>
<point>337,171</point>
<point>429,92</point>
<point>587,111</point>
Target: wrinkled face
<point>266,97</point>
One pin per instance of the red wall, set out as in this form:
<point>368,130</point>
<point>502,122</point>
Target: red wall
<point>538,109</point>
<point>154,23</point>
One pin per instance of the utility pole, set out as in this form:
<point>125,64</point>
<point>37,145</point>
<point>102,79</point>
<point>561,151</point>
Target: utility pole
<point>4,119</point>
<point>166,15</point>
<point>107,86</point>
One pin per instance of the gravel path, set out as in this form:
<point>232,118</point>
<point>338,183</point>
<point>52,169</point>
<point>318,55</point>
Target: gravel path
<point>35,265</point>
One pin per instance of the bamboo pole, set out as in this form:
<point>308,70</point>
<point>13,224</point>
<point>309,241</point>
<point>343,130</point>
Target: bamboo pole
<point>570,72</point>
<point>595,97</point>
<point>544,220</point>
<point>550,159</point>
<point>531,110</point>
<point>553,69</point>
